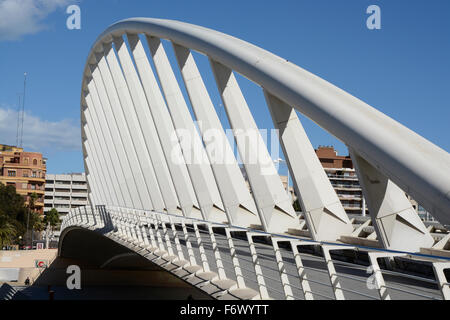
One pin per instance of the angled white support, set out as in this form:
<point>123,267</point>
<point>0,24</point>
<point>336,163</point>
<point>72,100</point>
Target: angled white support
<point>194,153</point>
<point>274,206</point>
<point>92,198</point>
<point>163,123</point>
<point>111,134</point>
<point>239,204</point>
<point>396,223</point>
<point>99,159</point>
<point>110,158</point>
<point>126,119</point>
<point>414,164</point>
<point>327,219</point>
<point>97,195</point>
<point>147,127</point>
<point>98,185</point>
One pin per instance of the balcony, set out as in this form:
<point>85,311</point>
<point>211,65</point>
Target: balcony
<point>79,193</point>
<point>36,179</point>
<point>79,187</point>
<point>60,201</point>
<point>62,186</point>
<point>62,194</point>
<point>79,202</point>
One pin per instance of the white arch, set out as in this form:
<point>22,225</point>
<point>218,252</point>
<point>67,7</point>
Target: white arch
<point>395,153</point>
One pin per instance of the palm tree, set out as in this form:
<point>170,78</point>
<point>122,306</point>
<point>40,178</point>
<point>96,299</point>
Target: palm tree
<point>7,231</point>
<point>31,209</point>
<point>52,218</point>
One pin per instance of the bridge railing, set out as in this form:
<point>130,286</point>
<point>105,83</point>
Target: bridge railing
<point>232,262</point>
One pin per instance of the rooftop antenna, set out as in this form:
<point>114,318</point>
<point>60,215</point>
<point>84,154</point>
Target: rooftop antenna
<point>23,108</point>
<point>18,119</point>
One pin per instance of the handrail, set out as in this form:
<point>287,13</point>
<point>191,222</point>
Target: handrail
<point>129,225</point>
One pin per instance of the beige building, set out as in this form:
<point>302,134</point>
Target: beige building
<point>25,171</point>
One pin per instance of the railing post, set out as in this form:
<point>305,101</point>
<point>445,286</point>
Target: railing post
<point>177,241</point>
<point>378,275</point>
<point>142,227</point>
<point>192,259</point>
<point>203,257</point>
<point>166,236</point>
<point>219,263</point>
<point>336,285</point>
<point>264,295</point>
<point>282,270</point>
<point>158,234</point>
<point>137,223</point>
<point>444,286</point>
<point>301,270</point>
<point>151,233</point>
<point>237,268</point>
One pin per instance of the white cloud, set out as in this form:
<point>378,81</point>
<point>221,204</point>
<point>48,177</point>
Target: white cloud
<point>38,134</point>
<point>22,17</point>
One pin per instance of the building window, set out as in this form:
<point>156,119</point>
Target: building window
<point>35,162</point>
<point>26,160</point>
<point>11,173</point>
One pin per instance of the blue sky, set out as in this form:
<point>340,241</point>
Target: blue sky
<point>403,69</point>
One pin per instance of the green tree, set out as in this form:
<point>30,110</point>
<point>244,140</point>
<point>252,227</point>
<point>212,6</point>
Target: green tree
<point>11,203</point>
<point>36,221</point>
<point>13,214</point>
<point>7,231</point>
<point>52,218</point>
<point>33,221</point>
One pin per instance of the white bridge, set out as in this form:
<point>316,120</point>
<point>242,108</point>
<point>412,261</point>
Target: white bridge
<point>173,192</point>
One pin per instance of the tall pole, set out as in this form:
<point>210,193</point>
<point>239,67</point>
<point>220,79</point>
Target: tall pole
<point>23,106</point>
<point>19,111</point>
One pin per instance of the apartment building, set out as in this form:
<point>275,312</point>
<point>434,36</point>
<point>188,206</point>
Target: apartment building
<point>65,192</point>
<point>25,171</point>
<point>343,178</point>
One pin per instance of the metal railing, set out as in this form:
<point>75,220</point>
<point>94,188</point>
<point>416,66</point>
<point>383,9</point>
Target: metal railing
<point>232,262</point>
